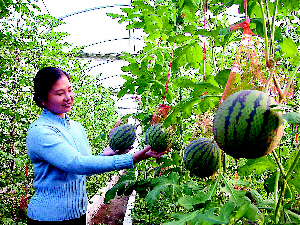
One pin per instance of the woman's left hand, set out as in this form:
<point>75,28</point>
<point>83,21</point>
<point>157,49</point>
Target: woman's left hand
<point>109,152</point>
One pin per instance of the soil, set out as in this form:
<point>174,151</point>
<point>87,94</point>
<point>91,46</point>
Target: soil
<point>112,213</point>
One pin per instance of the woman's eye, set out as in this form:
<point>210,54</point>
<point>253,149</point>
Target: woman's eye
<point>59,94</point>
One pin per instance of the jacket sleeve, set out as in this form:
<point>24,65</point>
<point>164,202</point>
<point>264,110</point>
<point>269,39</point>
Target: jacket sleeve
<point>45,143</point>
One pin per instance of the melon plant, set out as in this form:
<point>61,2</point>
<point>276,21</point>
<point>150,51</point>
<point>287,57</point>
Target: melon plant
<point>122,138</point>
<point>159,138</point>
<point>201,157</point>
<point>246,126</point>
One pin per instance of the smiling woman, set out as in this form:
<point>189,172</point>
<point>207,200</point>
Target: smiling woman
<point>61,155</point>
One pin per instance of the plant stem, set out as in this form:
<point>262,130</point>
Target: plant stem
<point>220,161</point>
<point>276,188</point>
<point>279,164</point>
<point>265,31</point>
<point>279,205</point>
<point>223,56</point>
<point>273,25</point>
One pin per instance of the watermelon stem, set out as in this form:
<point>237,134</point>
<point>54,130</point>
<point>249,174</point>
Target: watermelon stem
<point>276,188</point>
<point>220,161</point>
<point>279,164</point>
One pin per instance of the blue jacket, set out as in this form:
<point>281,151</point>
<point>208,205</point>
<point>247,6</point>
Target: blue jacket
<point>61,156</point>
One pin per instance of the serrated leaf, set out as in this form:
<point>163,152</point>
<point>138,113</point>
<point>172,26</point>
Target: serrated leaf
<point>229,189</point>
<point>124,183</point>
<point>122,92</point>
<point>164,185</point>
<point>184,107</point>
<point>180,38</point>
<point>183,219</point>
<point>242,210</point>
<point>183,82</point>
<point>226,211</point>
<point>128,78</point>
<point>188,202</point>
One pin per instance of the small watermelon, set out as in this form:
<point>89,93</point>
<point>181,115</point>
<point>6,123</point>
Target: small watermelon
<point>122,138</point>
<point>159,138</point>
<point>245,126</point>
<point>201,157</point>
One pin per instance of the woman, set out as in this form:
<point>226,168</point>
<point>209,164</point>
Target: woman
<point>61,156</point>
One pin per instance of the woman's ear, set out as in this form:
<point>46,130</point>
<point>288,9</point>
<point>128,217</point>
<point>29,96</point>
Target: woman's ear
<point>44,103</point>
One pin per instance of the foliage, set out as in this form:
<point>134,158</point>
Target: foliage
<point>29,42</point>
<point>194,57</point>
<point>174,68</point>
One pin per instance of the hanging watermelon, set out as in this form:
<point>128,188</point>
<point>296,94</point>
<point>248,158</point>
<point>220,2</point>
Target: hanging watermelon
<point>246,126</point>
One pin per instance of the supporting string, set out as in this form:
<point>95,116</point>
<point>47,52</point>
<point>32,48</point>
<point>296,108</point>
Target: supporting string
<point>245,7</point>
<point>204,47</point>
<point>169,73</point>
<point>245,24</point>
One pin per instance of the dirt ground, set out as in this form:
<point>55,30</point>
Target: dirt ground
<point>112,213</point>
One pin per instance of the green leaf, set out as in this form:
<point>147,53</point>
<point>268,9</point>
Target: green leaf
<point>179,38</point>
<point>229,189</point>
<point>125,182</point>
<point>292,117</point>
<point>222,77</point>
<point>242,210</point>
<point>289,47</point>
<point>188,202</point>
<point>164,185</point>
<point>257,166</point>
<point>241,183</point>
<point>226,211</point>
<point>183,219</point>
<point>185,107</point>
<point>254,214</point>
<point>278,34</point>
<point>128,78</point>
<point>122,92</point>
<point>183,82</point>
<point>202,87</point>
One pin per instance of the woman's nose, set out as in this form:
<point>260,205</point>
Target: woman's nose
<point>67,96</point>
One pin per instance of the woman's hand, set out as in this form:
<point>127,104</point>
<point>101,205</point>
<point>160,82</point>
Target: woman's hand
<point>109,152</point>
<point>145,154</point>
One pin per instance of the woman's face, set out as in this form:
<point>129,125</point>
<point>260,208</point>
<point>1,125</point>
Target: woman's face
<point>60,97</point>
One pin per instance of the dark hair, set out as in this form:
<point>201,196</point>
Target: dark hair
<point>43,82</point>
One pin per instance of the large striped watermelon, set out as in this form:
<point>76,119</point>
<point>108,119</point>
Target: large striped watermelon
<point>245,126</point>
<point>122,138</point>
<point>201,157</point>
<point>159,138</point>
